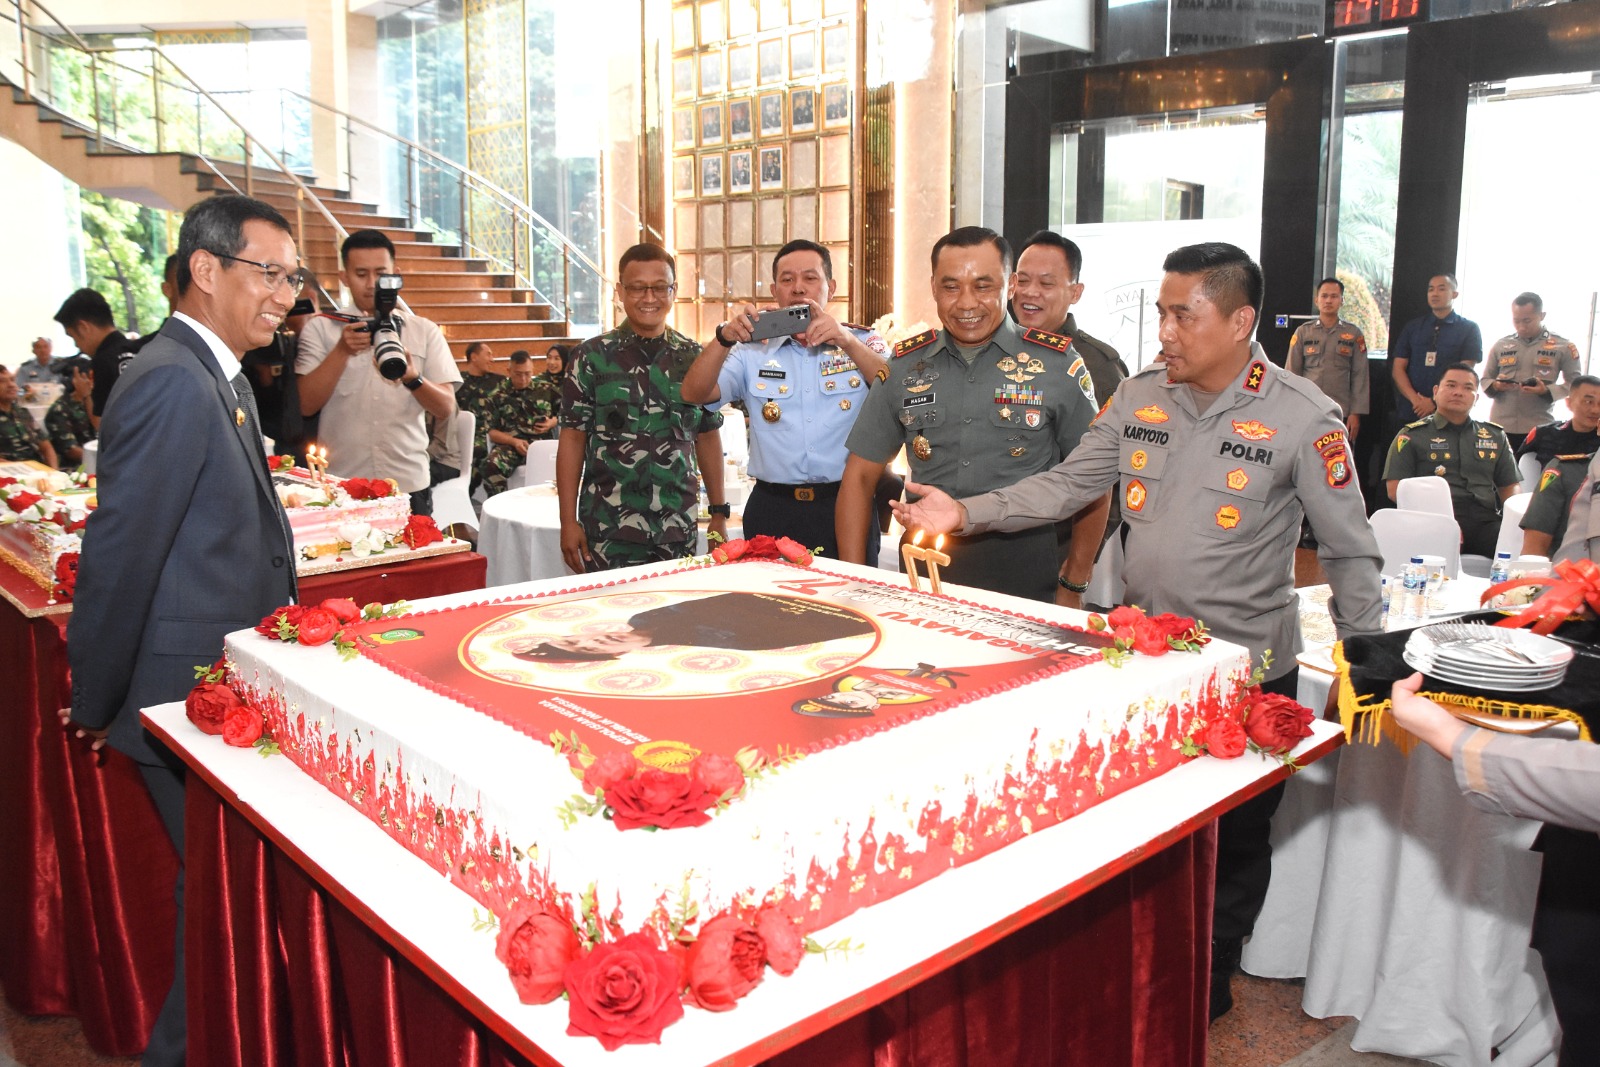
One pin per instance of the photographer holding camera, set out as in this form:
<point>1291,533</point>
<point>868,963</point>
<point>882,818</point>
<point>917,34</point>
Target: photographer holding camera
<point>373,373</point>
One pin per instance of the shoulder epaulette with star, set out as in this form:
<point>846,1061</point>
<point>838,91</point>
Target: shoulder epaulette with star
<point>911,344</point>
<point>1054,341</point>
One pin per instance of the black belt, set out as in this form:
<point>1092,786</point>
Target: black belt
<point>809,491</point>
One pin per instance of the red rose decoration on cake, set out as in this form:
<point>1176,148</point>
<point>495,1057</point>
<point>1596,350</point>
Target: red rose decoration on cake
<point>654,797</point>
<point>1274,722</point>
<point>243,726</point>
<point>536,947</point>
<point>66,575</point>
<point>269,625</point>
<point>317,626</point>
<point>720,775</point>
<point>725,962</point>
<point>623,993</point>
<point>209,705</point>
<point>609,769</point>
<point>22,501</point>
<point>729,551</point>
<point>1224,737</point>
<point>345,610</point>
<point>420,530</point>
<point>785,945</point>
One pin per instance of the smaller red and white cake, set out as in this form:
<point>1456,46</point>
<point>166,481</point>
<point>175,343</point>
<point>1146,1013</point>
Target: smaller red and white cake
<point>330,516</point>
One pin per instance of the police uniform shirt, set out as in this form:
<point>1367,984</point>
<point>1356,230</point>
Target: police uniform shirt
<point>1583,520</point>
<point>1547,511</point>
<point>1513,360</point>
<point>1016,410</point>
<point>1474,458</point>
<point>816,394</point>
<point>1213,503</point>
<point>1334,359</point>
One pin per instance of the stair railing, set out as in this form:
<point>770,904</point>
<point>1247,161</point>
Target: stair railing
<point>128,105</point>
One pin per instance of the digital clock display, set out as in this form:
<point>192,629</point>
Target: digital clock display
<point>1356,16</point>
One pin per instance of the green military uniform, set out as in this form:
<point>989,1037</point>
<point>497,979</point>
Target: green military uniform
<point>640,491</point>
<point>475,394</point>
<point>20,436</point>
<point>972,424</point>
<point>549,390</point>
<point>513,411</point>
<point>68,426</point>
<point>1552,500</point>
<point>1474,458</point>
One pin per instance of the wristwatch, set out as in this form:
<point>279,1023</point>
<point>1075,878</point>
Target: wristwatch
<point>414,384</point>
<point>721,340</point>
<point>1071,586</point>
<point>721,510</point>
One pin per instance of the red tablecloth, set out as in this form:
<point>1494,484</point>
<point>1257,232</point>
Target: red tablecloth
<point>86,906</point>
<point>281,973</point>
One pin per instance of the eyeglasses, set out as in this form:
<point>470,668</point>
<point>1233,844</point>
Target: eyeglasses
<point>658,291</point>
<point>272,274</point>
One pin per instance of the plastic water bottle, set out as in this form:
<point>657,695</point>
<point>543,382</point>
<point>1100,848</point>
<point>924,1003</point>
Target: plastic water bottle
<point>1500,569</point>
<point>1414,590</point>
<point>1388,589</point>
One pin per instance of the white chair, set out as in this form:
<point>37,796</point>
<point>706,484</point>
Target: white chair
<point>1427,493</point>
<point>1528,467</point>
<point>538,467</point>
<point>1511,513</point>
<point>735,435</point>
<point>1402,534</point>
<point>452,505</point>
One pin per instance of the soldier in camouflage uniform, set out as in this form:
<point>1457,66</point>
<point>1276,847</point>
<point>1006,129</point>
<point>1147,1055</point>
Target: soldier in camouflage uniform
<point>20,436</point>
<point>519,414</point>
<point>548,384</point>
<point>67,422</point>
<point>628,441</point>
<point>478,388</point>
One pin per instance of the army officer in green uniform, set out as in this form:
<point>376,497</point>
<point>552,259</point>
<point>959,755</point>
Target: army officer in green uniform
<point>1473,457</point>
<point>977,406</point>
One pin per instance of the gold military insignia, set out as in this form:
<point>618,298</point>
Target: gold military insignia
<point>238,416</point>
<point>1151,413</point>
<point>830,385</point>
<point>1005,412</point>
<point>911,344</point>
<point>921,447</point>
<point>1054,341</point>
<point>844,404</point>
<point>1254,430</point>
<point>1238,479</point>
<point>1006,364</point>
<point>1227,516</point>
<point>855,382</point>
<point>771,411</point>
<point>1017,451</point>
<point>1138,460</point>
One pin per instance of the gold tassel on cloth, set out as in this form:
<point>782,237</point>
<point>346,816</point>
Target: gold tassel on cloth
<point>1367,720</point>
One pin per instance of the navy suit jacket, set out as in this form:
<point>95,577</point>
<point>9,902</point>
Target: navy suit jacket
<point>188,542</point>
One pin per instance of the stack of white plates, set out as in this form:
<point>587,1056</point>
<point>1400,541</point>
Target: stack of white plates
<point>1488,657</point>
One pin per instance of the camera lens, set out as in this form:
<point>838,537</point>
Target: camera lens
<point>389,353</point>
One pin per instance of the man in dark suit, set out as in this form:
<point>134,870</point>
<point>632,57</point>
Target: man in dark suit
<point>189,541</point>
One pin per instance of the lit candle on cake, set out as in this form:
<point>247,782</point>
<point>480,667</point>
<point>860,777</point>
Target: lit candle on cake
<point>910,552</point>
<point>936,559</point>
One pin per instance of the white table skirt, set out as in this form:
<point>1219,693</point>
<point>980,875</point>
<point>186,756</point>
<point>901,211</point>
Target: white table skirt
<point>1403,905</point>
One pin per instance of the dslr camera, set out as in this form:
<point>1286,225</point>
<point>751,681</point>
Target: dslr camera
<point>387,350</point>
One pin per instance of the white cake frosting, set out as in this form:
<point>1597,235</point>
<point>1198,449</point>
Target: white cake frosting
<point>851,822</point>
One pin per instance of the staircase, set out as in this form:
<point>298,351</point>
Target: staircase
<point>467,297</point>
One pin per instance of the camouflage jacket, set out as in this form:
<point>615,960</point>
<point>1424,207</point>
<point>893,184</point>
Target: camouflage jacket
<point>67,423</point>
<point>639,478</point>
<point>514,411</point>
<point>20,436</point>
<point>477,395</point>
<point>549,390</point>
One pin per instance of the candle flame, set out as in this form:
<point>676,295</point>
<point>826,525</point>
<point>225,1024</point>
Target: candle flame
<point>917,540</point>
<point>938,542</point>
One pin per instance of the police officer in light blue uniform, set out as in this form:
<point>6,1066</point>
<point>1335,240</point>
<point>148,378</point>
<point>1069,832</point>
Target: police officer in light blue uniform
<point>801,395</point>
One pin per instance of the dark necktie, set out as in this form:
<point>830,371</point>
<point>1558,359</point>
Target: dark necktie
<point>247,402</point>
